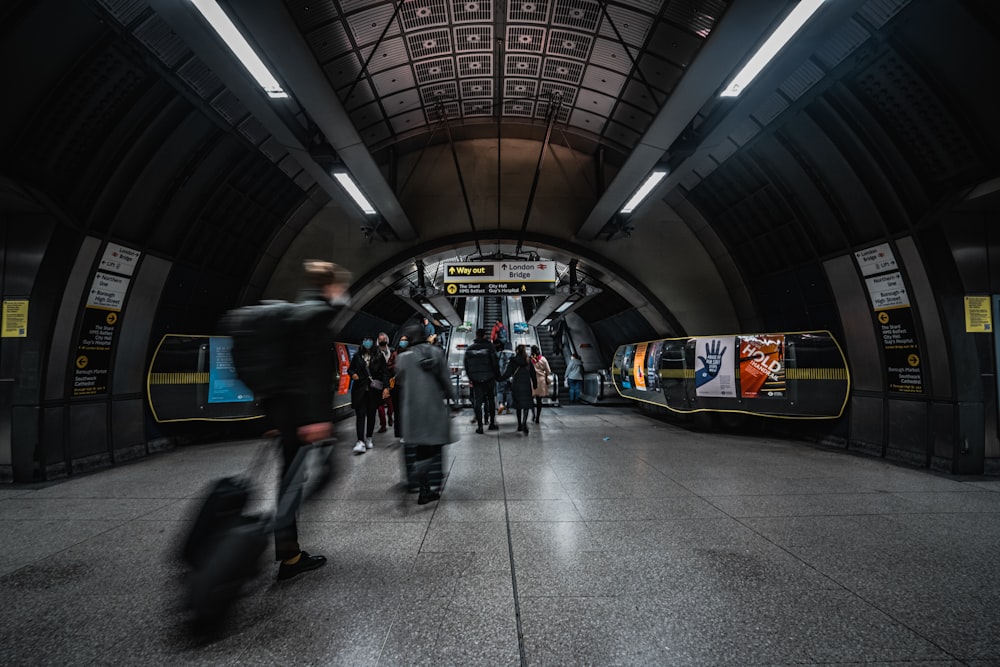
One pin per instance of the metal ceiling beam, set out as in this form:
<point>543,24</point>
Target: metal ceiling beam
<point>185,20</point>
<point>274,30</point>
<point>740,30</point>
<point>805,43</point>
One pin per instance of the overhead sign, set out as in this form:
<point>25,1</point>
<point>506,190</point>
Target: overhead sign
<point>499,289</point>
<point>500,272</point>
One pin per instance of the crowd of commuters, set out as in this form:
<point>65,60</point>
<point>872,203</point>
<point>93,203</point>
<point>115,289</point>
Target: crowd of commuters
<point>408,387</point>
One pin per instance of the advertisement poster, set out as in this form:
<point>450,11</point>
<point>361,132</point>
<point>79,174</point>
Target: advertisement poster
<point>639,366</point>
<point>344,354</point>
<point>628,352</point>
<point>715,373</point>
<point>762,366</point>
<point>223,384</point>
<point>978,314</point>
<point>653,353</point>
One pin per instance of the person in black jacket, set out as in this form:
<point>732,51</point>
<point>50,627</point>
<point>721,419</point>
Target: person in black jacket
<point>370,375</point>
<point>523,380</point>
<point>483,369</point>
<point>302,413</point>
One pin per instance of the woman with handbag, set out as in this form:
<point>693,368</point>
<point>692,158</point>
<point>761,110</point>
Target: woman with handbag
<point>542,371</point>
<point>370,380</point>
<point>522,377</point>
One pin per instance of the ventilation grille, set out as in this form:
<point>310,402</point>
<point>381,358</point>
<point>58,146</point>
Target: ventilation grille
<point>435,70</point>
<point>162,41</point>
<point>430,43</point>
<point>569,44</point>
<point>528,11</point>
<point>523,65</point>
<point>474,38</point>
<point>469,11</point>
<point>476,88</point>
<point>523,38</point>
<point>475,65</point>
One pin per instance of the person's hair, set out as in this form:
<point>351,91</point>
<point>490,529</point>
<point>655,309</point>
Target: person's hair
<point>414,333</point>
<point>383,336</point>
<point>535,350</point>
<point>520,349</point>
<point>319,274</point>
<point>480,333</point>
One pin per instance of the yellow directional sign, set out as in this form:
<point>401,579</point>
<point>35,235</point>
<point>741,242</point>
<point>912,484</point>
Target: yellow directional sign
<point>111,318</point>
<point>81,361</point>
<point>452,288</point>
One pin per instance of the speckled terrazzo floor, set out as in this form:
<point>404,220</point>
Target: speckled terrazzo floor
<point>603,537</point>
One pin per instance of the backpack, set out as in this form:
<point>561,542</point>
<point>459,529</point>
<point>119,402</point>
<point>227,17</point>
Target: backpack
<point>261,345</point>
<point>504,360</point>
<point>502,334</point>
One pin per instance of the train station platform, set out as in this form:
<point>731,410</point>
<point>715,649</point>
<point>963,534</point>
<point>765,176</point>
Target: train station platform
<point>603,537</point>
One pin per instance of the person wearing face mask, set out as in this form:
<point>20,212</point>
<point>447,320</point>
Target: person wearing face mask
<point>370,385</point>
<point>385,406</point>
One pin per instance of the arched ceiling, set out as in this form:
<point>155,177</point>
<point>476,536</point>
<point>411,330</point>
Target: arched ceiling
<point>138,123</point>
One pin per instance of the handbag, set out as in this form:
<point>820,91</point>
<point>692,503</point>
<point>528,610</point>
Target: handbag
<point>376,384</point>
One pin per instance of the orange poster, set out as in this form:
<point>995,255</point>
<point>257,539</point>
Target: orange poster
<point>343,362</point>
<point>762,366</point>
<point>639,366</point>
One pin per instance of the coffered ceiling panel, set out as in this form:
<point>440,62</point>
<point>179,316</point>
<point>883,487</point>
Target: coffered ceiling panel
<point>475,61</point>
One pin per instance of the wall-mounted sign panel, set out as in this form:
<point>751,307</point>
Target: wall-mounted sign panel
<point>887,291</point>
<point>15,319</point>
<point>119,259</point>
<point>877,259</point>
<point>978,314</point>
<point>107,291</point>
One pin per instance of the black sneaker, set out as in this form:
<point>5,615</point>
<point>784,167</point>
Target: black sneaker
<point>427,496</point>
<point>479,430</point>
<point>306,563</point>
<point>493,427</point>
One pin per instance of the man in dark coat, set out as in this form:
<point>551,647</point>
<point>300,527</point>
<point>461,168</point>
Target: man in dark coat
<point>483,369</point>
<point>302,413</point>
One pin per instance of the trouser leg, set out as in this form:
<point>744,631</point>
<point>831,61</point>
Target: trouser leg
<point>372,401</point>
<point>286,539</point>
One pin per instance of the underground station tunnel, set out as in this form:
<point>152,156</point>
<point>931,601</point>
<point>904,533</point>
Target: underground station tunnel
<point>751,241</point>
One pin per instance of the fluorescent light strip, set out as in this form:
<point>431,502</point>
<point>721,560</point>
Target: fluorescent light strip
<point>352,189</point>
<point>239,46</point>
<point>651,182</point>
<point>781,36</point>
<point>564,307</point>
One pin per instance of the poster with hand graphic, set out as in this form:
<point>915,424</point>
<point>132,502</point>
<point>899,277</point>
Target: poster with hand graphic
<point>715,373</point>
<point>762,366</point>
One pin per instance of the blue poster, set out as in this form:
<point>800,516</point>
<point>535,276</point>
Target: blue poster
<point>223,385</point>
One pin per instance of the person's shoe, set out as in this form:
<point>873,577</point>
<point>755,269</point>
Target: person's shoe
<point>479,430</point>
<point>304,564</point>
<point>493,427</point>
<point>360,447</point>
<point>473,420</point>
<point>536,419</point>
<point>500,410</point>
<point>390,421</point>
<point>526,429</point>
<point>427,496</point>
<point>369,444</point>
<point>382,429</point>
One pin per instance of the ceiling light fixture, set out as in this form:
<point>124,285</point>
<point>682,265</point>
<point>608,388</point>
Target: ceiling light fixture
<point>238,44</point>
<point>651,182</point>
<point>781,36</point>
<point>351,188</point>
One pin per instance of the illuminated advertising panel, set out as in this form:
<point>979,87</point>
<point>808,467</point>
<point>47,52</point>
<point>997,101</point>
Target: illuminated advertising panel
<point>762,366</point>
<point>715,370</point>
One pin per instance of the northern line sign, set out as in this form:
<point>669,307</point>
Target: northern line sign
<point>502,278</point>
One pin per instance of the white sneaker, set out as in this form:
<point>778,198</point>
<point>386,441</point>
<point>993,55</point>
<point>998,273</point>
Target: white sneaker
<point>402,442</point>
<point>360,447</point>
<point>369,444</point>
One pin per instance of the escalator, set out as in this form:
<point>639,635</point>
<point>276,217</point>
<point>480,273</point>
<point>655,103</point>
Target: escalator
<point>557,362</point>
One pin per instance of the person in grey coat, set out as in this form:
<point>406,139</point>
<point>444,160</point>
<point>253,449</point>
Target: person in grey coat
<point>523,380</point>
<point>424,388</point>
